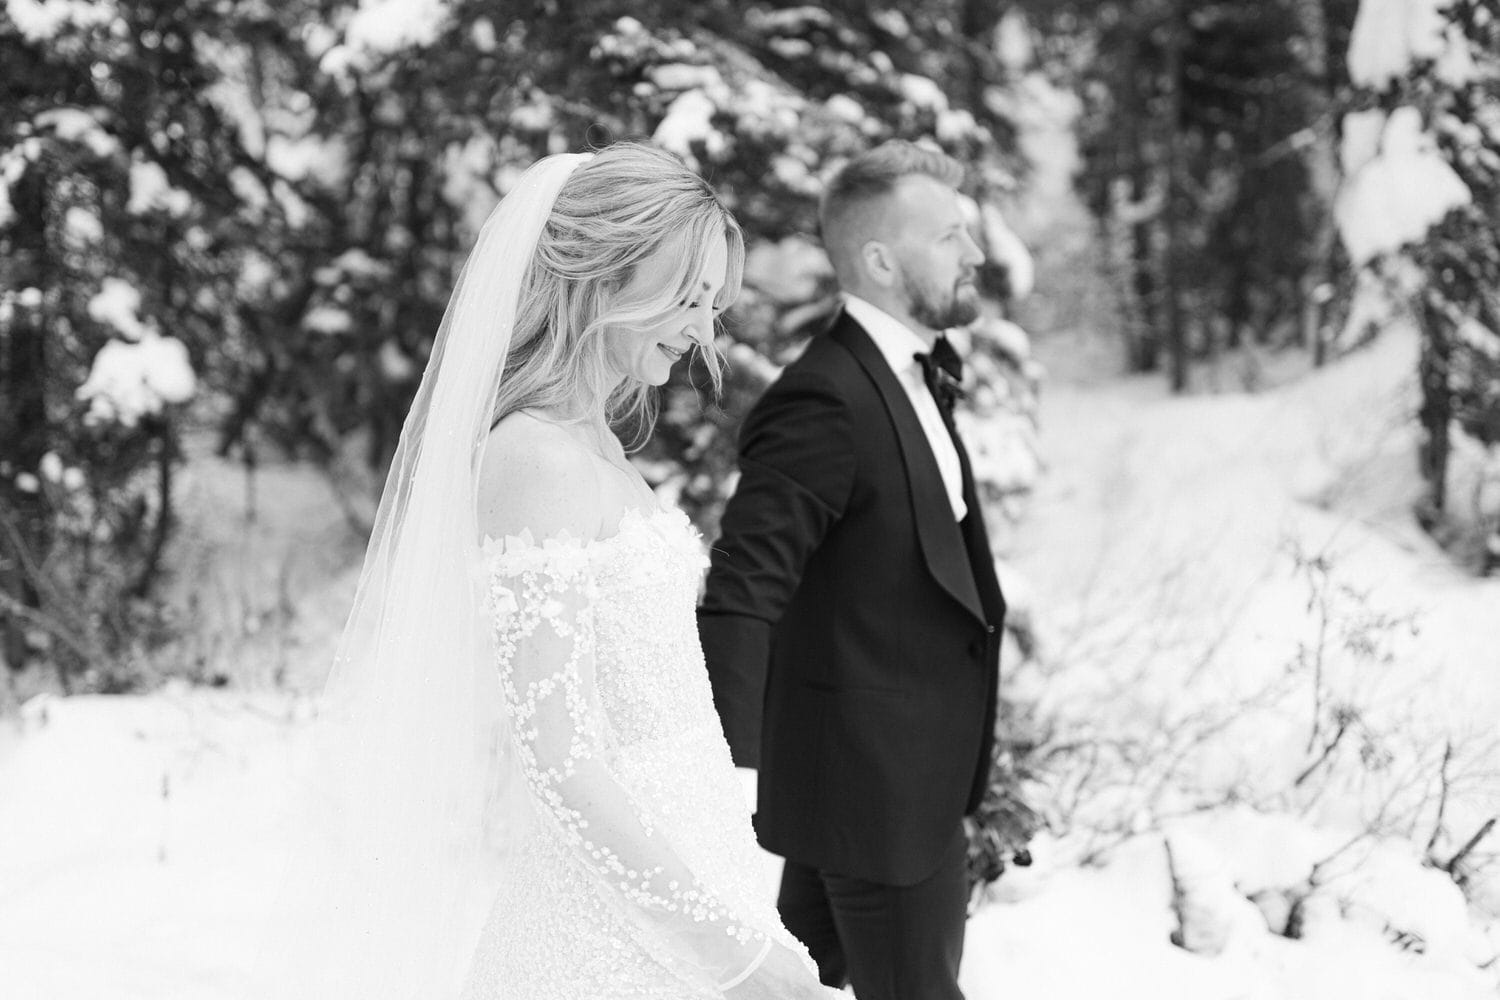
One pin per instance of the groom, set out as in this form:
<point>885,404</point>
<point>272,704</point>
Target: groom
<point>851,621</point>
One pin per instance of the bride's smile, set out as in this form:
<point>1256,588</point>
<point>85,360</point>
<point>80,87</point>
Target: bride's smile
<point>647,352</point>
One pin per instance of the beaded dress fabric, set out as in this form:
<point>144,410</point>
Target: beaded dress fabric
<point>638,877</point>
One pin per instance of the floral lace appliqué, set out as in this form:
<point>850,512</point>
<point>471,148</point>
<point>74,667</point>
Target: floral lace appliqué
<point>641,878</point>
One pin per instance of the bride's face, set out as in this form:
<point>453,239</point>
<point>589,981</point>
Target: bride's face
<point>647,354</point>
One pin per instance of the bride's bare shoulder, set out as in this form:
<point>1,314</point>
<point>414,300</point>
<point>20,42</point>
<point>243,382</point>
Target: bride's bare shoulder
<point>537,477</point>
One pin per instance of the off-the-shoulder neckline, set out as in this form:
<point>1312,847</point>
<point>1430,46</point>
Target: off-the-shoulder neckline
<point>565,539</point>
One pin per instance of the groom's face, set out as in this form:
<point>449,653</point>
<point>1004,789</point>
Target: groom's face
<point>937,259</point>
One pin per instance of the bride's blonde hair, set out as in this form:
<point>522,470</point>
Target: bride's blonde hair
<point>616,210</point>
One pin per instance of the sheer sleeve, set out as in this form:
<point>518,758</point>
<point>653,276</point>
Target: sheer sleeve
<point>541,600</point>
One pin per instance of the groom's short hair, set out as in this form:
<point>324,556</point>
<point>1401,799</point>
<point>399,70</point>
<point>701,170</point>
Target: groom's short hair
<point>869,177</point>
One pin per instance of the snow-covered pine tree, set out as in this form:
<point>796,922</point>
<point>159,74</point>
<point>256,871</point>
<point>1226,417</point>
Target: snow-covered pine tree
<point>1422,159</point>
<point>127,203</point>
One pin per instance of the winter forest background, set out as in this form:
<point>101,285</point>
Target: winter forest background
<point>1236,412</point>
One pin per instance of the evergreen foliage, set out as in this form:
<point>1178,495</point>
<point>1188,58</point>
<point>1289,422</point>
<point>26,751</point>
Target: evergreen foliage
<point>1457,293</point>
<point>326,166</point>
<point>1208,159</point>
<point>120,178</point>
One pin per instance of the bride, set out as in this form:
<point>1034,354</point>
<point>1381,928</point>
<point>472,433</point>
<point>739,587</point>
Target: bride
<point>519,720</point>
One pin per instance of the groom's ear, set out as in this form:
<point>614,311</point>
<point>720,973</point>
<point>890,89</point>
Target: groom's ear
<point>878,262</point>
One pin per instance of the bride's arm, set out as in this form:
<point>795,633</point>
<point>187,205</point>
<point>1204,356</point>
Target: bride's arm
<point>543,596</point>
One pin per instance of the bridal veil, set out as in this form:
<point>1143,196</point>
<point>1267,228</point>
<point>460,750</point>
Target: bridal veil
<point>399,833</point>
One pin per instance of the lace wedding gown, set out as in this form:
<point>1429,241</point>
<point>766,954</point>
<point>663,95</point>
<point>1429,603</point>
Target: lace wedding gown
<point>638,877</point>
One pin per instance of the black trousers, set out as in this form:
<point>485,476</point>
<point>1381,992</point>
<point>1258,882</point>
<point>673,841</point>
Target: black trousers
<point>889,942</point>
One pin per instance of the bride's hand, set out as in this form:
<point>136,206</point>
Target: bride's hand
<point>783,975</point>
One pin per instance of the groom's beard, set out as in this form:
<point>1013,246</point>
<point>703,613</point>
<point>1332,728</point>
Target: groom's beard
<point>958,307</point>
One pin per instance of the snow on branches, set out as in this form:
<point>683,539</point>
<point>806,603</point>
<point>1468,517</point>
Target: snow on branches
<point>1394,194</point>
<point>139,375</point>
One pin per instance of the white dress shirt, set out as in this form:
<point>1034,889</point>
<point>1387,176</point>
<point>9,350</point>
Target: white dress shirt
<point>899,346</point>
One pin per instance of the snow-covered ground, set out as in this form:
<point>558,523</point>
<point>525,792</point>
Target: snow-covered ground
<point>1159,566</point>
<point>133,830</point>
<point>1158,563</point>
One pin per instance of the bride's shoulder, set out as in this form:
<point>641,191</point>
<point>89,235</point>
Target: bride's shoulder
<point>536,477</point>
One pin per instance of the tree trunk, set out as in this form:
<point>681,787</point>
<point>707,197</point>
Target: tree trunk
<point>1176,331</point>
<point>23,411</point>
<point>1146,349</point>
<point>1436,412</point>
<point>1321,161</point>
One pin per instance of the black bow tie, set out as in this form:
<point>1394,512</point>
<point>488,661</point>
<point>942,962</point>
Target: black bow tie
<point>943,370</point>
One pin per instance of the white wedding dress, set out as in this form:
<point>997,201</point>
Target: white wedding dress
<point>638,876</point>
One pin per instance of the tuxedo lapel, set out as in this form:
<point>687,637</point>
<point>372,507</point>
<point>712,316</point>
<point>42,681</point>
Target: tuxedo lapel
<point>941,539</point>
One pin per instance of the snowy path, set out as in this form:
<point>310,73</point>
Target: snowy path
<point>1156,556</point>
<point>1163,533</point>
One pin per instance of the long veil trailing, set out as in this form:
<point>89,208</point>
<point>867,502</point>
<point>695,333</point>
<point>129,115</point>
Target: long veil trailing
<point>397,843</point>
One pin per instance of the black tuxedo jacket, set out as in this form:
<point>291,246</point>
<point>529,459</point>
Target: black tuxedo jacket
<point>851,628</point>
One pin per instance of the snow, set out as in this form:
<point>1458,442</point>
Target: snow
<point>955,126</point>
<point>1395,197</point>
<point>1479,337</point>
<point>297,212</point>
<point>789,271</point>
<point>923,92</point>
<point>1012,41</point>
<point>118,304</point>
<point>845,108</point>
<point>328,320</point>
<point>309,156</point>
<point>134,860</point>
<point>129,380</point>
<point>7,210</point>
<point>82,226</point>
<point>248,188</point>
<point>394,363</point>
<point>791,49</point>
<point>1002,451</point>
<point>892,22</point>
<point>231,93</point>
<point>54,471</point>
<point>536,115</point>
<point>1390,35</point>
<point>13,163</point>
<point>140,824</point>
<point>1182,511</point>
<point>381,27</point>
<point>682,76</point>
<point>788,19</point>
<point>51,467</point>
<point>1456,66</point>
<point>689,120</point>
<point>1004,247</point>
<point>77,125</point>
<point>1361,139</point>
<point>43,20</point>
<point>355,262</point>
<point>743,357</point>
<point>794,175</point>
<point>150,190</point>
<point>256,277</point>
<point>763,109</point>
<point>482,34</point>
